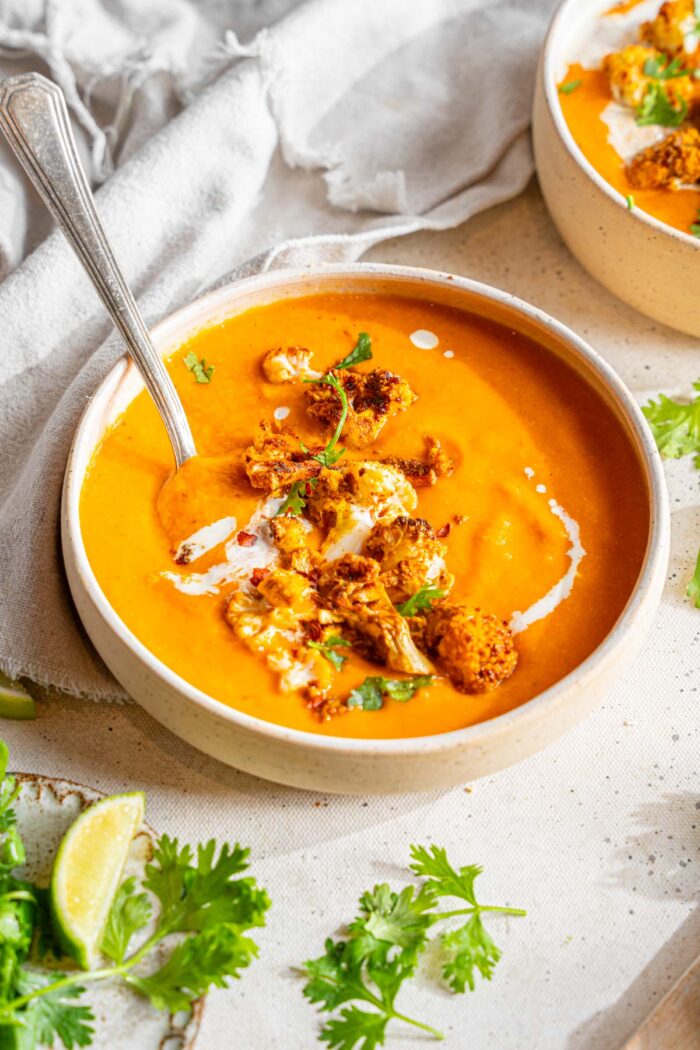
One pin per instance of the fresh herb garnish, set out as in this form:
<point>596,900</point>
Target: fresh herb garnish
<point>199,369</point>
<point>657,108</point>
<point>203,900</point>
<point>695,226</point>
<point>421,601</point>
<point>369,695</point>
<point>570,87</point>
<point>383,946</point>
<point>330,455</point>
<point>676,429</point>
<point>328,649</point>
<point>630,201</point>
<point>676,425</point>
<point>362,351</point>
<point>659,67</point>
<point>295,500</point>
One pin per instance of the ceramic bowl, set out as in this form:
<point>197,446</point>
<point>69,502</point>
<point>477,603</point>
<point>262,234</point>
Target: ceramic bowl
<point>640,259</point>
<point>335,764</point>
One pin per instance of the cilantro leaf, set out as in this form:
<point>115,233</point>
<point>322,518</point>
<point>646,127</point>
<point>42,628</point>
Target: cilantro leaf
<point>693,590</point>
<point>362,351</point>
<point>295,500</point>
<point>200,961</point>
<point>330,455</point>
<point>657,108</point>
<point>421,601</point>
<point>629,200</point>
<point>328,649</point>
<point>369,695</point>
<point>444,880</point>
<point>194,896</point>
<point>468,949</point>
<point>570,87</point>
<point>675,425</point>
<point>389,918</point>
<point>659,67</point>
<point>130,912</point>
<point>54,1014</point>
<point>355,1027</point>
<point>201,371</point>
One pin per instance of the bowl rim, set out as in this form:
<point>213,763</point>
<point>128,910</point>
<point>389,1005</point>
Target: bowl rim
<point>653,565</point>
<point>550,57</point>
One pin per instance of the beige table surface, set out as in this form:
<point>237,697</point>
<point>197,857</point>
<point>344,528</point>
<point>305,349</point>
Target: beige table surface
<point>598,837</point>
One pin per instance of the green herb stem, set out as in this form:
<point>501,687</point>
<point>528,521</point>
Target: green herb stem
<point>482,907</point>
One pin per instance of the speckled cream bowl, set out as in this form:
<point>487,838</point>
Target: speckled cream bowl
<point>648,264</point>
<point>335,764</point>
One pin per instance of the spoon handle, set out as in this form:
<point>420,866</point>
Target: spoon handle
<point>34,118</point>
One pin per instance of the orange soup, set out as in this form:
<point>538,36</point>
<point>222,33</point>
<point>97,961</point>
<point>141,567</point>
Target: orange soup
<point>534,501</point>
<point>631,103</point>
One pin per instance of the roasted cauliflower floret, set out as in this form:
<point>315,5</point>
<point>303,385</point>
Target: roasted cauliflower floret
<point>410,556</point>
<point>673,162</point>
<point>424,472</point>
<point>352,589</point>
<point>348,500</point>
<point>277,633</point>
<point>676,20</point>
<point>275,459</point>
<point>290,365</point>
<point>629,83</point>
<point>286,589</point>
<point>290,536</point>
<point>373,398</point>
<point>475,648</point>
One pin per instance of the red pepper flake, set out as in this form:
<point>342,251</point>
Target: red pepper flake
<point>258,576</point>
<point>313,629</point>
<point>444,531</point>
<point>246,539</point>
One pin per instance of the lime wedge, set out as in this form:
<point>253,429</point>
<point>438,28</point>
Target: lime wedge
<point>87,872</point>
<point>15,701</point>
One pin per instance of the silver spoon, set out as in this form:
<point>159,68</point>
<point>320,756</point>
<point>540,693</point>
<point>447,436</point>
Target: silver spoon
<point>34,118</point>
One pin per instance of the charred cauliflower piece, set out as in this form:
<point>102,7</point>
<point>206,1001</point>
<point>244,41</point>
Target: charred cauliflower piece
<point>351,588</point>
<point>676,20</point>
<point>290,536</point>
<point>673,162</point>
<point>288,366</point>
<point>424,472</point>
<point>348,500</point>
<point>475,648</point>
<point>409,555</point>
<point>272,622</point>
<point>275,459</point>
<point>373,398</point>
<point>629,83</point>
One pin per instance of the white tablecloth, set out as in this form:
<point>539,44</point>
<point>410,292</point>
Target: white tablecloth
<point>598,837</point>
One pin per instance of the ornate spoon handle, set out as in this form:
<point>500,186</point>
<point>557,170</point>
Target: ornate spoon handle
<point>34,118</point>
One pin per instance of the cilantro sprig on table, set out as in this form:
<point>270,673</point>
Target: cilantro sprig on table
<point>383,946</point>
<point>205,908</point>
<point>676,429</point>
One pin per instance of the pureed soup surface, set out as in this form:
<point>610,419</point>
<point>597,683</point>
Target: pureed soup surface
<point>606,127</point>
<point>542,473</point>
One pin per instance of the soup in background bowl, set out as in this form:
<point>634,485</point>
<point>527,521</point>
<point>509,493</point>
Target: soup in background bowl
<point>416,593</point>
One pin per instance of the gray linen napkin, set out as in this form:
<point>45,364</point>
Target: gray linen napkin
<point>336,126</point>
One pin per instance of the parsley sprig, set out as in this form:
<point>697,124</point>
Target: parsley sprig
<point>676,429</point>
<point>659,68</point>
<point>383,946</point>
<point>421,601</point>
<point>369,695</point>
<point>330,454</point>
<point>295,500</point>
<point>205,907</point>
<point>328,649</point>
<point>201,371</point>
